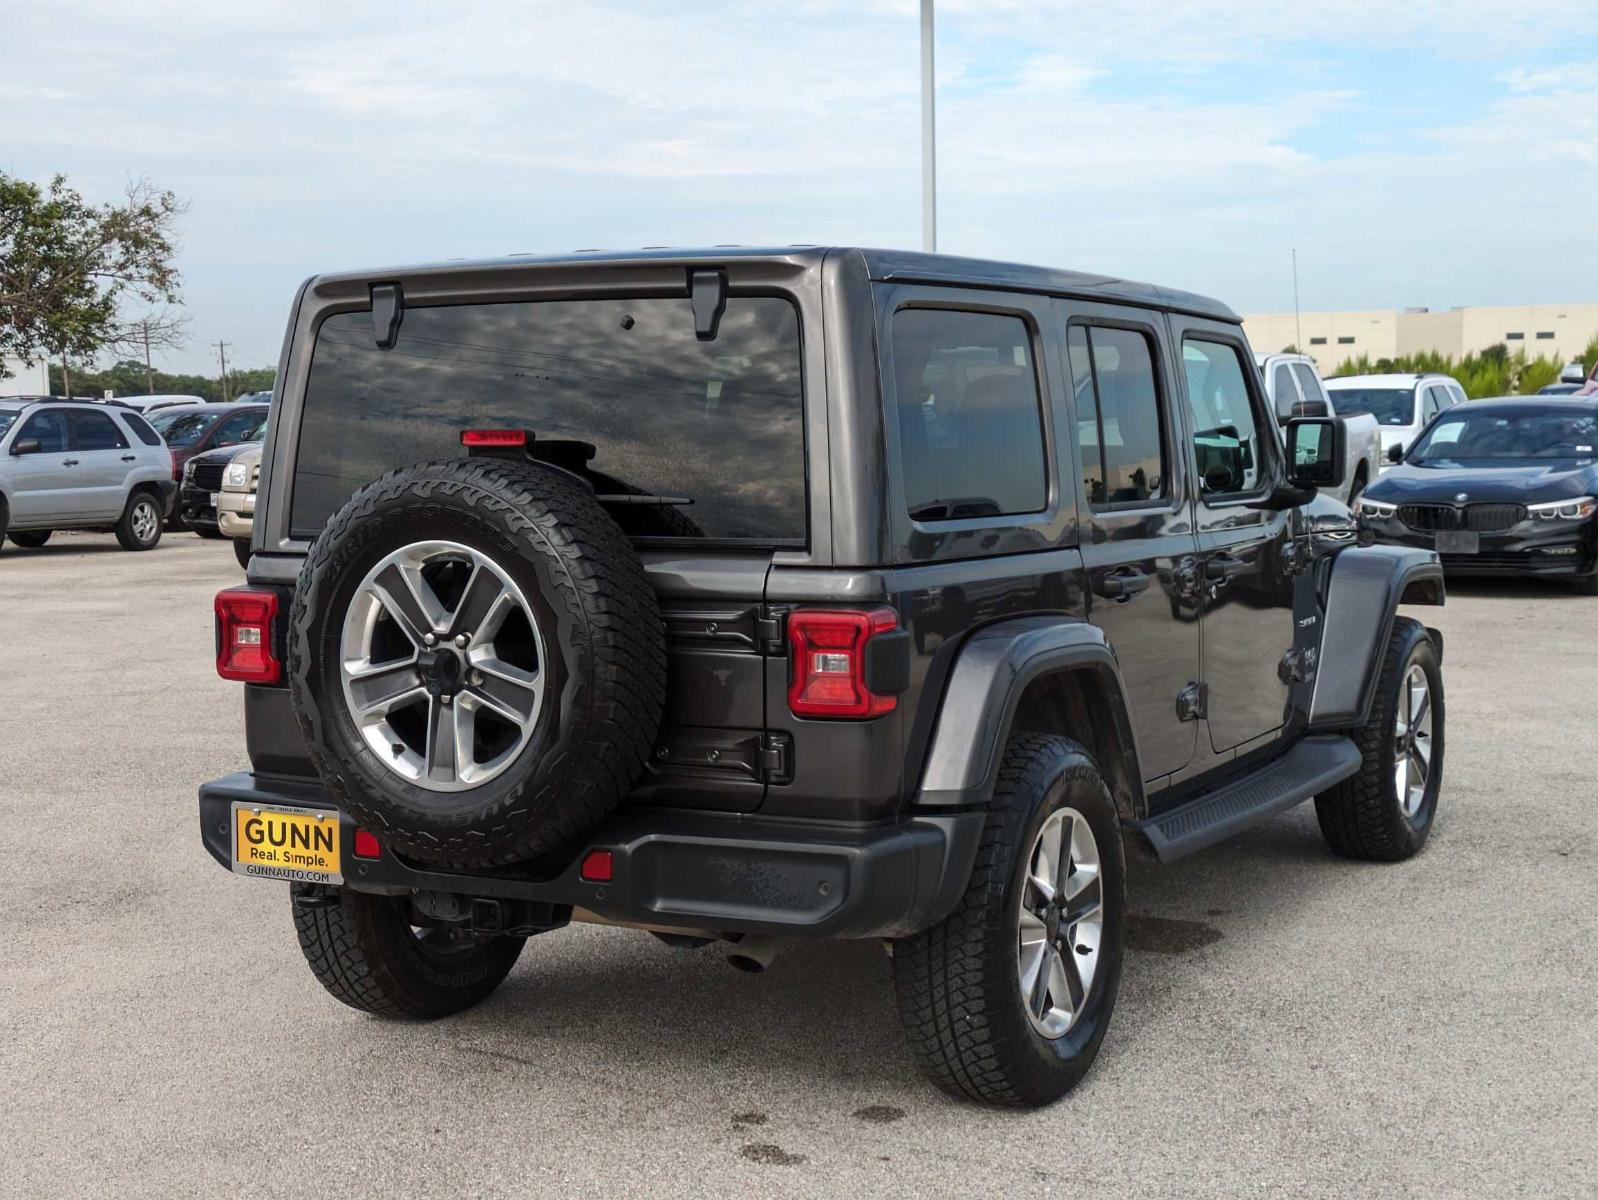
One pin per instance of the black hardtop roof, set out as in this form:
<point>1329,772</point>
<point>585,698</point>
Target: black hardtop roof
<point>902,266</point>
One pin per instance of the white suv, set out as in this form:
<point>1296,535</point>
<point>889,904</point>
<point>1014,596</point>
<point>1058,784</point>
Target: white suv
<point>81,465</point>
<point>1401,404</point>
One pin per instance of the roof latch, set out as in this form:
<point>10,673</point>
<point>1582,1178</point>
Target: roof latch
<point>388,306</point>
<point>707,292</point>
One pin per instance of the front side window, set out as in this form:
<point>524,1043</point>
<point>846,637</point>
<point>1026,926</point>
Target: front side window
<point>96,431</point>
<point>1226,437</point>
<point>241,427</point>
<point>970,414</point>
<point>718,423</point>
<point>49,429</point>
<point>1119,431</point>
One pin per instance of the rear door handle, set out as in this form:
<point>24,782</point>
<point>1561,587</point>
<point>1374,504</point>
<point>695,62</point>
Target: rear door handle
<point>69,462</point>
<point>1220,567</point>
<point>1122,585</point>
<point>130,458</point>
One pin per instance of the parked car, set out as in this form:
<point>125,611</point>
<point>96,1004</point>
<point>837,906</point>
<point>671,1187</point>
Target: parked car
<point>1401,404</point>
<point>1559,389</point>
<point>200,493</point>
<point>1296,390</point>
<point>76,465</point>
<point>235,507</point>
<point>631,596</point>
<point>1500,487</point>
<point>150,404</point>
<point>193,429</point>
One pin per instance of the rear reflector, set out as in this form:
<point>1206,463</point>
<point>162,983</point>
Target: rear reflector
<point>598,867</point>
<point>244,617</point>
<point>494,437</point>
<point>829,662</point>
<point>366,845</point>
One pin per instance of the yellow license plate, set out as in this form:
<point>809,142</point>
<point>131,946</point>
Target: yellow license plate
<point>272,841</point>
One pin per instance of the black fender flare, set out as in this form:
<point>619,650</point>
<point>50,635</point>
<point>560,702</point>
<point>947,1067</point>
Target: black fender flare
<point>1364,587</point>
<point>985,686</point>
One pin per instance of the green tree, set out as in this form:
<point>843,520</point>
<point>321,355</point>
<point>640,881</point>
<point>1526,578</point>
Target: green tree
<point>129,377</point>
<point>1490,372</point>
<point>68,268</point>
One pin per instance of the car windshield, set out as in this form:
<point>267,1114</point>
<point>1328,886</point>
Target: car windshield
<point>1390,406</point>
<point>1497,434</point>
<point>181,427</point>
<point>7,417</point>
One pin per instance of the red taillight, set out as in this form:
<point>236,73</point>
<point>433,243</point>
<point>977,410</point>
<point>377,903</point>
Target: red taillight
<point>829,662</point>
<point>366,845</point>
<point>244,617</point>
<point>177,467</point>
<point>494,437</point>
<point>598,867</point>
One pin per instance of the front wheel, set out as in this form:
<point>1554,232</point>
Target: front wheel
<point>1007,1000</point>
<point>1385,811</point>
<point>364,950</point>
<point>140,526</point>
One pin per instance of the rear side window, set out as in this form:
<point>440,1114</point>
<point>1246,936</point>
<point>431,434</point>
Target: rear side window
<point>718,422</point>
<point>970,414</point>
<point>1226,437</point>
<point>96,431</point>
<point>1117,415</point>
<point>1282,389</point>
<point>1309,383</point>
<point>141,429</point>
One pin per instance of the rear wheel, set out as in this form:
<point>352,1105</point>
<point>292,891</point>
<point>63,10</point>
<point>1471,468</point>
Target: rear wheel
<point>140,526</point>
<point>1386,810</point>
<point>241,551</point>
<point>367,953</point>
<point>31,539</point>
<point>1007,1000</point>
<point>210,532</point>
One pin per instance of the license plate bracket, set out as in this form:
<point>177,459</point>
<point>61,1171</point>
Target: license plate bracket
<point>279,841</point>
<point>1458,541</point>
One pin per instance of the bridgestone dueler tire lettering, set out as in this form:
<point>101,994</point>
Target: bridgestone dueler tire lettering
<point>958,994</point>
<point>603,637</point>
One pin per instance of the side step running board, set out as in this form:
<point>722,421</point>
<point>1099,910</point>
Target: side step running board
<point>1311,766</point>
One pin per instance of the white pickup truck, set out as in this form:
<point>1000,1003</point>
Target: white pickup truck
<point>1291,379</point>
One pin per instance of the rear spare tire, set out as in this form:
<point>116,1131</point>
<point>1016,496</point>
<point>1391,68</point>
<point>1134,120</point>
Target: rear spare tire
<point>476,660</point>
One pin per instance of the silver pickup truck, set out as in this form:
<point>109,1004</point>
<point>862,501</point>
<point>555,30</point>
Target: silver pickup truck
<point>1291,380</point>
<point>80,465</point>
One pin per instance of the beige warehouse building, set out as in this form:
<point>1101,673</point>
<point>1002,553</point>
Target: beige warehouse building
<point>1557,331</point>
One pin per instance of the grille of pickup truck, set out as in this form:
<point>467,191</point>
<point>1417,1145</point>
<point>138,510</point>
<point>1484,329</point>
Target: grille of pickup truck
<point>208,476</point>
<point>1481,518</point>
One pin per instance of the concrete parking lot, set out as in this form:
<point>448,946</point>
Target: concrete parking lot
<point>1289,1023</point>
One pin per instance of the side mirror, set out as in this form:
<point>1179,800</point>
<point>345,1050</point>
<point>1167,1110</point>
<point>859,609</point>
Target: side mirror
<point>1316,447</point>
<point>1574,372</point>
<point>1395,452</point>
<point>26,446</point>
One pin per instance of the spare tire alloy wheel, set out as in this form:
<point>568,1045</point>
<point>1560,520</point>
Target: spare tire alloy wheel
<point>442,659</point>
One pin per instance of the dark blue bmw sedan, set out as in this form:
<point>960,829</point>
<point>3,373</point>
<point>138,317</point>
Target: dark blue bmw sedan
<point>1498,487</point>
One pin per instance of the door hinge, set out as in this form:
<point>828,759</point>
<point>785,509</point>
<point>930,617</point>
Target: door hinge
<point>776,754</point>
<point>771,630</point>
<point>1193,703</point>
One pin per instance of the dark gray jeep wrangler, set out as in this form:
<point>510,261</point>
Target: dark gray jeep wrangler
<point>747,595</point>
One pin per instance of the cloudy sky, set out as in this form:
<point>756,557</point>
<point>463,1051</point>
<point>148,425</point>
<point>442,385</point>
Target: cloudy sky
<point>1435,152</point>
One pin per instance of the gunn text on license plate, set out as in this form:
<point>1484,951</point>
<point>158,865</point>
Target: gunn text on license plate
<point>1458,542</point>
<point>273,841</point>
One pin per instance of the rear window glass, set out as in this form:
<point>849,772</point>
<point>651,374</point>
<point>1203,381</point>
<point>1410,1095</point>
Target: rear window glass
<point>717,422</point>
<point>970,424</point>
<point>8,417</point>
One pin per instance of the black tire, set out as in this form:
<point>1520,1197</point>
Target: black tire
<point>364,951</point>
<point>957,984</point>
<point>30,539</point>
<point>209,532</point>
<point>1363,817</point>
<point>605,652</point>
<point>1356,488</point>
<point>1587,585</point>
<point>127,537</point>
<point>241,551</point>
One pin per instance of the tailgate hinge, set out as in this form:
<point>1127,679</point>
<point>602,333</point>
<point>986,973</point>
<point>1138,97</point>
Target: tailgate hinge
<point>776,764</point>
<point>771,630</point>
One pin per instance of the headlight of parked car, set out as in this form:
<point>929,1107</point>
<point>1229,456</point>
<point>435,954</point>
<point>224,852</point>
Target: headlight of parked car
<point>1366,507</point>
<point>1564,510</point>
<point>238,475</point>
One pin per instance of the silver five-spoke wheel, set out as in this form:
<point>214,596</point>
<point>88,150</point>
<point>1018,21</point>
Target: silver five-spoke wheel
<point>1062,922</point>
<point>443,665</point>
<point>144,520</point>
<point>1412,741</point>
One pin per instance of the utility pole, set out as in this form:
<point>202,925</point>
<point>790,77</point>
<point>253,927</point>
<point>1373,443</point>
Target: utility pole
<point>1298,328</point>
<point>929,138</point>
<point>221,350</point>
<point>149,371</point>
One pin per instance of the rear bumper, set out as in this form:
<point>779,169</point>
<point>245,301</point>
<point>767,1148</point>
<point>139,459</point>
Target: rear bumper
<point>168,491</point>
<point>689,870</point>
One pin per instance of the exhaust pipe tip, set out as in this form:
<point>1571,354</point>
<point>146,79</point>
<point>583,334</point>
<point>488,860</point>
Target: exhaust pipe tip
<point>753,954</point>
